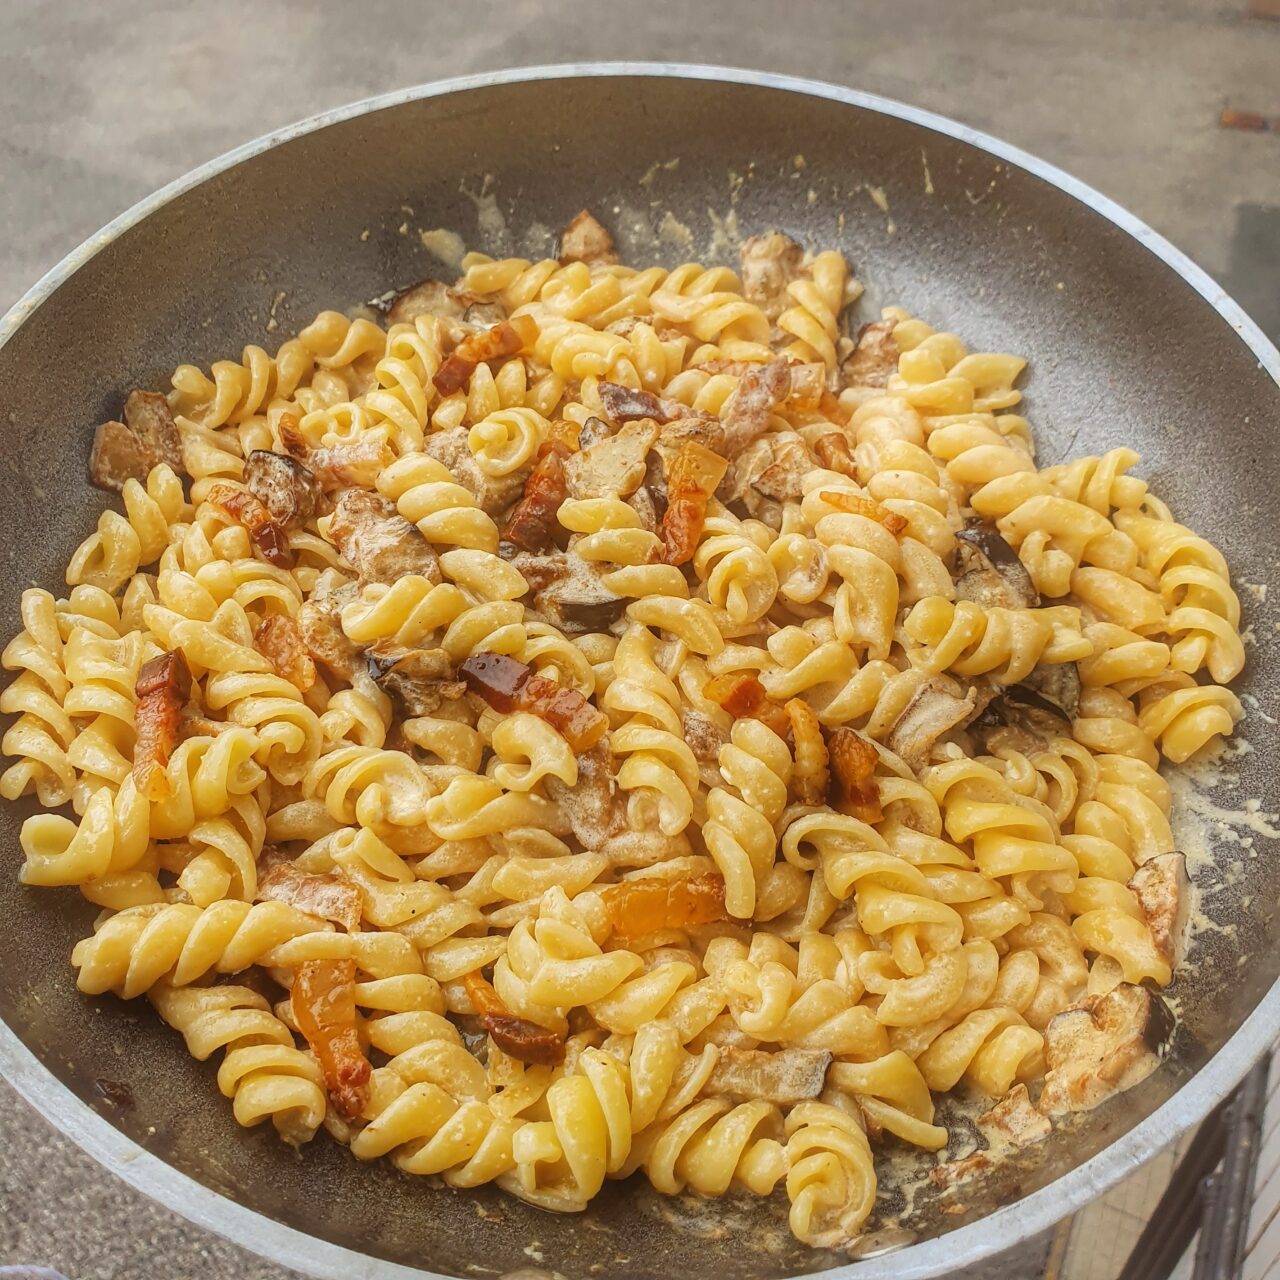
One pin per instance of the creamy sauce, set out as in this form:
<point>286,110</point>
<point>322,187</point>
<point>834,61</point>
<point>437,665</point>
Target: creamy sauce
<point>446,245</point>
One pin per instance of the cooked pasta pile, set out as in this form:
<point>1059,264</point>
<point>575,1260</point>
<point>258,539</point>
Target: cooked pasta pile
<point>606,720</point>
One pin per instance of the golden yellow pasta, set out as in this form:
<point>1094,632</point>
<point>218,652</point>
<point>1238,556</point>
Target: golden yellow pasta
<point>609,721</point>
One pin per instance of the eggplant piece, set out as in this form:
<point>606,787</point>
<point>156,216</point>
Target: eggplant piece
<point>784,1078</point>
<point>128,450</point>
<point>593,431</point>
<point>770,263</point>
<point>613,467</point>
<point>935,708</point>
<point>592,806</point>
<point>284,486</point>
<point>576,600</point>
<point>420,678</point>
<point>585,240</point>
<point>989,573</point>
<point>374,537</point>
<point>748,410</point>
<point>874,356</point>
<point>627,404</point>
<point>319,621</point>
<point>426,298</point>
<point>1052,689</point>
<point>1102,1046</point>
<point>1163,890</point>
<point>1013,1121</point>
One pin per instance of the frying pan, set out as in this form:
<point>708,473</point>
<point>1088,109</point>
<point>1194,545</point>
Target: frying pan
<point>1128,343</point>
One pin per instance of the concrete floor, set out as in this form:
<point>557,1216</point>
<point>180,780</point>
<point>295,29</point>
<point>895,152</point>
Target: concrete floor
<point>102,103</point>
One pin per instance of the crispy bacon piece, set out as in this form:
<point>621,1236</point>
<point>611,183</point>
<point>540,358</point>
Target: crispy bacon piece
<point>857,505</point>
<point>637,907</point>
<point>505,339</point>
<point>508,685</point>
<point>279,640</point>
<point>162,688</point>
<point>266,533</point>
<point>834,453</point>
<point>324,1007</point>
<point>532,522</point>
<point>853,767</point>
<point>744,698</point>
<point>692,477</point>
<point>514,1036</point>
<point>330,896</point>
<point>811,777</point>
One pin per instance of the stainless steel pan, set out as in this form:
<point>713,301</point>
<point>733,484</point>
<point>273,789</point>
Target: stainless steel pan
<point>1128,341</point>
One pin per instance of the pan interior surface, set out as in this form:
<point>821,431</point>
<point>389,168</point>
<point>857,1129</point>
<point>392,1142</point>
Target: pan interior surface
<point>1121,351</point>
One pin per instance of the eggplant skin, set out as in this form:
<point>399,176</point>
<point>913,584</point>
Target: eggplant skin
<point>1101,1046</point>
<point>989,573</point>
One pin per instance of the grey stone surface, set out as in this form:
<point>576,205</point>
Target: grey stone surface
<point>101,103</point>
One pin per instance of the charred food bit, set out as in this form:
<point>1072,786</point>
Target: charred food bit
<point>331,896</point>
<point>874,356</point>
<point>517,1037</point>
<point>508,685</point>
<point>638,907</point>
<point>1102,1046</point>
<point>420,678</point>
<point>784,1077</point>
<point>855,504</point>
<point>746,413</point>
<point>323,998</point>
<point>532,525</point>
<point>989,573</point>
<point>128,450</point>
<point>585,240</point>
<point>378,541</point>
<point>612,467</point>
<point>508,338</point>
<point>692,477</point>
<point>853,766</point>
<point>288,490</point>
<point>162,688</point>
<point>769,264</point>
<point>279,640</point>
<point>935,708</point>
<point>1163,891</point>
<point>265,532</point>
